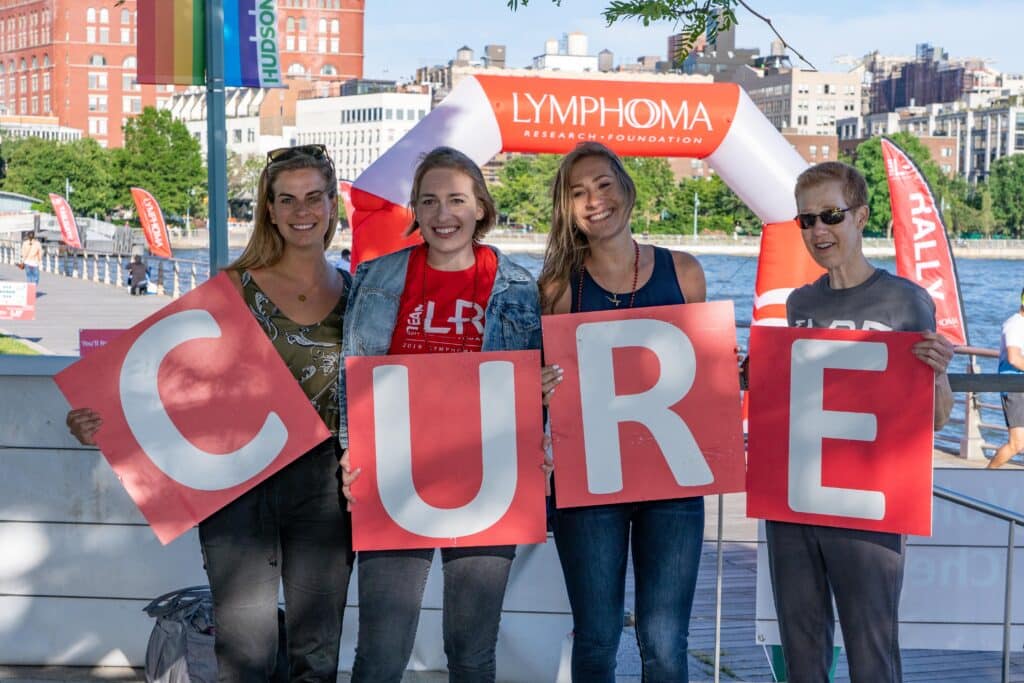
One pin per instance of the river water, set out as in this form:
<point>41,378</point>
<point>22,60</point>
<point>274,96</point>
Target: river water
<point>990,290</point>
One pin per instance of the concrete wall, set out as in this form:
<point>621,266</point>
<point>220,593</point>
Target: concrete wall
<point>78,562</point>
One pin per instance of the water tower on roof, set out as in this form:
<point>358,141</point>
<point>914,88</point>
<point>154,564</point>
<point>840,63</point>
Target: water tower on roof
<point>577,44</point>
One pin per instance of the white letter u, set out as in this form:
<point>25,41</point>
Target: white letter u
<point>392,431</point>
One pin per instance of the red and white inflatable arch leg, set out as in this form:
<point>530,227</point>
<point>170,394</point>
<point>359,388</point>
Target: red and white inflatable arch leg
<point>761,167</point>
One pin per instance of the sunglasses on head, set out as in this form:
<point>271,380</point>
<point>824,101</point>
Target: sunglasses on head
<point>318,152</point>
<point>828,217</point>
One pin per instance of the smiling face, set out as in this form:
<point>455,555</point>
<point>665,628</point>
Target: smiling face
<point>302,207</point>
<point>447,212</point>
<point>599,205</point>
<point>834,247</point>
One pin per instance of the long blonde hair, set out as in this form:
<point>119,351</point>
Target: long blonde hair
<point>266,246</point>
<point>567,245</point>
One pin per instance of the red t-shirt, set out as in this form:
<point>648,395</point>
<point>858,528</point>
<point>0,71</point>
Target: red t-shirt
<point>443,311</point>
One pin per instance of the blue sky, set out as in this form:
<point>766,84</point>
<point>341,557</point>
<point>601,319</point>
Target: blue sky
<point>402,35</point>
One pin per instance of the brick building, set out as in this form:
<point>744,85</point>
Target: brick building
<point>75,59</point>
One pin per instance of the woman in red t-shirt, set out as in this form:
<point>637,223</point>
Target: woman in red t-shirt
<point>448,295</point>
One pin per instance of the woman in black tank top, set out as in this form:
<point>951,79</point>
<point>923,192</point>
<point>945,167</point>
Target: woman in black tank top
<point>593,263</point>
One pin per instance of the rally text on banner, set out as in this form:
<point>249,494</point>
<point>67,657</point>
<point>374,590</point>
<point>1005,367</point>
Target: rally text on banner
<point>66,221</point>
<point>450,450</point>
<point>840,429</point>
<point>197,407</point>
<point>649,408</point>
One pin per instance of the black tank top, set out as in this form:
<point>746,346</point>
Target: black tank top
<point>661,290</point>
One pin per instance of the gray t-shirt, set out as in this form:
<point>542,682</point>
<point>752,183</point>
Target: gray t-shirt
<point>883,302</point>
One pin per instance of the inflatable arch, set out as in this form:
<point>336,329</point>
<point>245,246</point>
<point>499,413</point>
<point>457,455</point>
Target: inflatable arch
<point>485,115</point>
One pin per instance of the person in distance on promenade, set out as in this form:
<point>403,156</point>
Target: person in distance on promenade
<point>1011,360</point>
<point>292,528</point>
<point>451,272</point>
<point>138,276</point>
<point>810,565</point>
<point>593,263</point>
<point>31,258</point>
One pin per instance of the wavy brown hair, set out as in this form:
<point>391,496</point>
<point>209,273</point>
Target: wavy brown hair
<point>567,245</point>
<point>266,246</point>
<point>453,159</point>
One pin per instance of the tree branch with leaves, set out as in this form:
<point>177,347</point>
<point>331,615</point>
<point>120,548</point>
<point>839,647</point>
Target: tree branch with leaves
<point>692,18</point>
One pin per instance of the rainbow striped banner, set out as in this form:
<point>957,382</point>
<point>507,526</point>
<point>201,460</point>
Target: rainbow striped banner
<point>172,43</point>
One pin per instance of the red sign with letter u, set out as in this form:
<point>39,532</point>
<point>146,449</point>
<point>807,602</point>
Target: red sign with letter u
<point>450,450</point>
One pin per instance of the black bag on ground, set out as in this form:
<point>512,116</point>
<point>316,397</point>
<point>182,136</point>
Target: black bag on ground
<point>180,648</point>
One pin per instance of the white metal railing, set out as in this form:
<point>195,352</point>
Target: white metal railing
<point>972,443</point>
<point>171,277</point>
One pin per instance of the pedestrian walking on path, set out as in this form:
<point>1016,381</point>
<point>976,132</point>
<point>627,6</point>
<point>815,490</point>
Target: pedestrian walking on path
<point>1011,361</point>
<point>31,258</point>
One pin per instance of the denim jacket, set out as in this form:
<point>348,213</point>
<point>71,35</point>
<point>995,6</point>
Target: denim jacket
<point>511,319</point>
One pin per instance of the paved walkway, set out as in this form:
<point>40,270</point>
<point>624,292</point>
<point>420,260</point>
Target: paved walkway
<point>65,305</point>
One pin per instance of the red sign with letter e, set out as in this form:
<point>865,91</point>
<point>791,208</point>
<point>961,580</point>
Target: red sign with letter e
<point>649,408</point>
<point>450,450</point>
<point>197,407</point>
<point>840,429</point>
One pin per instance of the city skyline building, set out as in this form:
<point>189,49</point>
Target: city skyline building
<point>570,53</point>
<point>719,59</point>
<point>930,77</point>
<point>357,129</point>
<point>801,101</point>
<point>76,60</point>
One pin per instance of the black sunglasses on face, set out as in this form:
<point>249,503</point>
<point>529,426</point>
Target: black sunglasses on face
<point>318,152</point>
<point>828,217</point>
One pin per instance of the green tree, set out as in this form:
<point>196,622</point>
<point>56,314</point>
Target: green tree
<point>243,175</point>
<point>37,167</point>
<point>655,186</point>
<point>1006,184</point>
<point>523,192</point>
<point>719,209</point>
<point>160,156</point>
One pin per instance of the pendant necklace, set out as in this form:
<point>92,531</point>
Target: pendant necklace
<point>614,298</point>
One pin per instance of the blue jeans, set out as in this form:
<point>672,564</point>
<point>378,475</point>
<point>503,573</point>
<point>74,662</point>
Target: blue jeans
<point>391,586</point>
<point>32,274</point>
<point>291,529</point>
<point>593,543</point>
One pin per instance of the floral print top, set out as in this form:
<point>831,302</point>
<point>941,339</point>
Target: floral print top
<point>311,352</point>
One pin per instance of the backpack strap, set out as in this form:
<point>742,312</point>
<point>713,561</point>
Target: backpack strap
<point>178,600</point>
